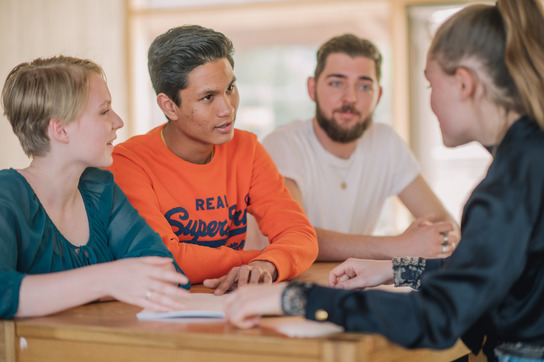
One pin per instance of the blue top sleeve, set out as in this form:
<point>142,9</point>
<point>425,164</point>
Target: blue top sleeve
<point>31,244</point>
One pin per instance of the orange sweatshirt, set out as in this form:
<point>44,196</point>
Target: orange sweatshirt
<point>200,210</point>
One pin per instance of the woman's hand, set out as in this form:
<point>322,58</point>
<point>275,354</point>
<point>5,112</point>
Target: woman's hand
<point>247,304</point>
<point>361,273</point>
<point>150,282</point>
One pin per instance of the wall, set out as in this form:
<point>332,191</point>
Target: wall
<point>41,28</point>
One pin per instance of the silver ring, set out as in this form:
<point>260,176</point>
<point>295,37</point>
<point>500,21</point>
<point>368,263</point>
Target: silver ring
<point>148,294</point>
<point>446,239</point>
<point>444,248</point>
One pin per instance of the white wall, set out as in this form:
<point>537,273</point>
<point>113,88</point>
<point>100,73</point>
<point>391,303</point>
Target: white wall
<point>40,28</point>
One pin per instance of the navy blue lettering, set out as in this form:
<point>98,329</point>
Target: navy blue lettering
<point>181,224</point>
<point>184,216</point>
<point>212,228</point>
<point>209,205</point>
<point>238,216</point>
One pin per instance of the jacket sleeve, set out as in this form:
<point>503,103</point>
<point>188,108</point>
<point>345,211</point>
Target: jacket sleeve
<point>198,262</point>
<point>454,296</point>
<point>293,242</point>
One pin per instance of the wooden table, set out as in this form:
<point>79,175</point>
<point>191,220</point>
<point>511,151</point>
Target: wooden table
<point>110,331</point>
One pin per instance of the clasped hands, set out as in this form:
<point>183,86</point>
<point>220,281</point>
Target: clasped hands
<point>428,239</point>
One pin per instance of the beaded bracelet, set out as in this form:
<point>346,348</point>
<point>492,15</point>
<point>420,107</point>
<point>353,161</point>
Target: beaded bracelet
<point>407,271</point>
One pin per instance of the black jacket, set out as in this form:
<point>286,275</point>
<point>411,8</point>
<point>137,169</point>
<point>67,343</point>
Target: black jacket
<point>493,283</point>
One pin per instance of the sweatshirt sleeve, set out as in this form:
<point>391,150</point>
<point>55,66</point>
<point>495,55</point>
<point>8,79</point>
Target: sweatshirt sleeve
<point>198,262</point>
<point>293,242</point>
<point>10,278</point>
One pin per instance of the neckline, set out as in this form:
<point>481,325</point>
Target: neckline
<point>331,158</point>
<point>48,218</point>
<point>188,166</point>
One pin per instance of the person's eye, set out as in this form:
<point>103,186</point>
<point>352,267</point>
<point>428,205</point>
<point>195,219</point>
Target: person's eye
<point>104,112</point>
<point>209,97</point>
<point>231,87</point>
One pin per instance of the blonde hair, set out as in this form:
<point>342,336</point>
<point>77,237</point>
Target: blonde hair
<point>45,89</point>
<point>505,43</point>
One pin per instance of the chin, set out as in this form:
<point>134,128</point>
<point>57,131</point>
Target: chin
<point>107,162</point>
<point>225,138</point>
<point>451,143</point>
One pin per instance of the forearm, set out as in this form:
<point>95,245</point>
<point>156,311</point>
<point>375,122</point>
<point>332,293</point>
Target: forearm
<point>292,252</point>
<point>50,293</point>
<point>335,246</point>
<point>201,262</point>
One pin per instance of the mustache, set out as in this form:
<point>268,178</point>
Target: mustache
<point>348,108</point>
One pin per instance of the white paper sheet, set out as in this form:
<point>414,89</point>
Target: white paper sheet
<point>300,327</point>
<point>200,305</point>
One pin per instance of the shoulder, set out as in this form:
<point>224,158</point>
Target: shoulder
<point>12,184</point>
<point>242,136</point>
<point>520,153</point>
<point>290,130</point>
<point>242,141</point>
<point>10,177</point>
<point>140,143</point>
<point>381,137</point>
<point>291,137</point>
<point>383,130</point>
<point>96,180</point>
<point>16,196</point>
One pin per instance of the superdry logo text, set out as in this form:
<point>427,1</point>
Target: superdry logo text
<point>216,232</point>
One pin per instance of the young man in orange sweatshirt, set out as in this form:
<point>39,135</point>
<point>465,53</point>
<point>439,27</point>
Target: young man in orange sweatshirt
<point>195,178</point>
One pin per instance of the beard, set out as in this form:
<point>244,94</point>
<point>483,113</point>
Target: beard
<point>335,131</point>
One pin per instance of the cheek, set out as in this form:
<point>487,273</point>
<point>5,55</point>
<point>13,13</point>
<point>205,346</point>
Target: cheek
<point>367,102</point>
<point>434,102</point>
<point>328,101</point>
<point>235,101</point>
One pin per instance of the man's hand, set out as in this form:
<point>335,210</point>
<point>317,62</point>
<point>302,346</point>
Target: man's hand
<point>428,239</point>
<point>256,272</point>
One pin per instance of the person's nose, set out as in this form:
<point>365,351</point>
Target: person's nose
<point>117,121</point>
<point>227,106</point>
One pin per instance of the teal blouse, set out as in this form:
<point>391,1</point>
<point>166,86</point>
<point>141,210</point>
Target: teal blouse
<point>31,244</point>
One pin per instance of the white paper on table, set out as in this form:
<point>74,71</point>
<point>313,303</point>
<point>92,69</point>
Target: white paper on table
<point>199,305</point>
<point>300,327</point>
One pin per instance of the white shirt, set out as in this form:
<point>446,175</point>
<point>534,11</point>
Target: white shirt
<point>381,165</point>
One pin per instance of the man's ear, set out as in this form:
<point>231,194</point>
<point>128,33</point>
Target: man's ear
<point>465,82</point>
<point>168,106</point>
<point>57,131</point>
<point>311,87</point>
